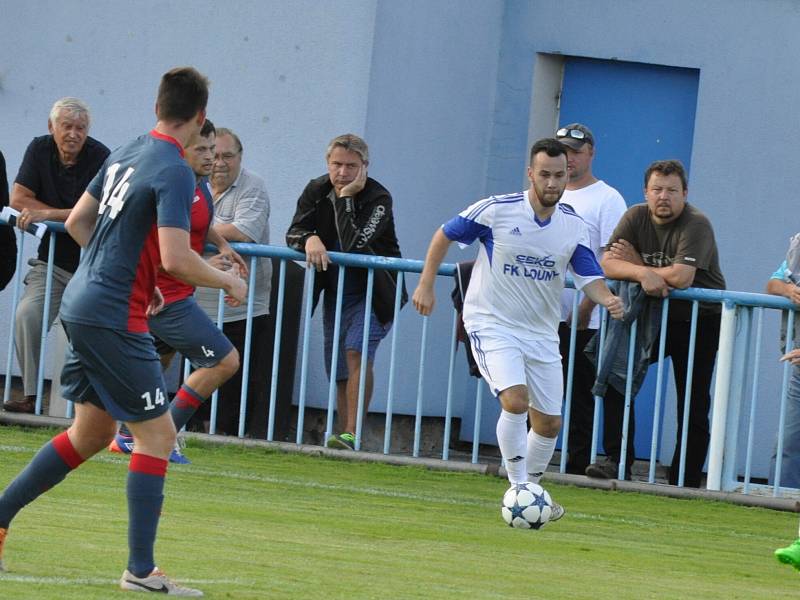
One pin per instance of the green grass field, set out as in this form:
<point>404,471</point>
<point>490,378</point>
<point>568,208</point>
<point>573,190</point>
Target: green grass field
<point>252,523</point>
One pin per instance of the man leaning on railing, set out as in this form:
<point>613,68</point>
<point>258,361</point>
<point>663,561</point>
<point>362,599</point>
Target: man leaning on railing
<point>241,214</point>
<point>661,244</point>
<point>54,173</point>
<point>346,211</point>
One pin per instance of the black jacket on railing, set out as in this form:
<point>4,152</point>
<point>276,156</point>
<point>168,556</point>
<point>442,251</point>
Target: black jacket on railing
<point>363,224</point>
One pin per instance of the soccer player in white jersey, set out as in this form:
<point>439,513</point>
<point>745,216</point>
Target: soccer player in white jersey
<point>513,303</point>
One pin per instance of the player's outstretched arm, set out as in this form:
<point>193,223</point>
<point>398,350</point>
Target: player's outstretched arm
<point>81,221</point>
<point>598,291</point>
<point>179,260</point>
<point>424,297</point>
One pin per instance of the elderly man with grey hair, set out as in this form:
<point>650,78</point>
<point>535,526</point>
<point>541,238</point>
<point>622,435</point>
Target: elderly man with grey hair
<point>54,173</point>
<point>241,214</point>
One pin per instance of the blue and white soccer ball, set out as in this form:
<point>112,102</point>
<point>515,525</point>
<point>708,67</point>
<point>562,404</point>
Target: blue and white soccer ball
<point>526,506</point>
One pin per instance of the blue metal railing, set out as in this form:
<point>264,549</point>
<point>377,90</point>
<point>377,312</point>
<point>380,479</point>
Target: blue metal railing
<point>736,342</point>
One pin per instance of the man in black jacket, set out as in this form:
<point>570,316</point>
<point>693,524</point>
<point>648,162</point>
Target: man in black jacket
<point>346,211</point>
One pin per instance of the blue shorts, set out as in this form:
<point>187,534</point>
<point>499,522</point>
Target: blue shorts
<point>351,331</point>
<point>185,327</point>
<point>117,371</point>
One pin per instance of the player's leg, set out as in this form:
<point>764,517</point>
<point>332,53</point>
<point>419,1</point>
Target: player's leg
<point>501,364</point>
<point>545,386</point>
<point>89,433</point>
<point>512,425</point>
<point>135,395</point>
<point>543,375</point>
<point>123,440</point>
<point>183,326</point>
<point>200,385</point>
<point>541,443</point>
<point>154,439</point>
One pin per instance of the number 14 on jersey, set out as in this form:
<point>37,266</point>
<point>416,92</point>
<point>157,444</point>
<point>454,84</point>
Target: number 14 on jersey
<point>114,191</point>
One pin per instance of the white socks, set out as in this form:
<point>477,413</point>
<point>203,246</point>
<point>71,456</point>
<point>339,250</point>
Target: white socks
<point>511,432</point>
<point>540,451</point>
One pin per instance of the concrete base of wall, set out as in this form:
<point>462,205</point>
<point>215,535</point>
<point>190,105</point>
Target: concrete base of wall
<point>374,429</point>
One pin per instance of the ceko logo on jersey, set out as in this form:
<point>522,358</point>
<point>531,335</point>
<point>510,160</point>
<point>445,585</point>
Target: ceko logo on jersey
<point>534,267</point>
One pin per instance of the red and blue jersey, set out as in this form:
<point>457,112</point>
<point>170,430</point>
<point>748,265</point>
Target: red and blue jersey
<point>172,288</point>
<point>143,185</point>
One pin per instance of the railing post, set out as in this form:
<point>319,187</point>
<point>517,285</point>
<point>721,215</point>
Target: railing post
<point>573,336</point>
<point>276,350</point>
<point>722,388</point>
<point>12,321</point>
<point>741,364</point>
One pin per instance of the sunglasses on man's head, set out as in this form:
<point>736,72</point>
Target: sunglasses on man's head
<point>575,134</point>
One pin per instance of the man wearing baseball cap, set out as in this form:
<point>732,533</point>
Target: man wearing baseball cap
<point>601,207</point>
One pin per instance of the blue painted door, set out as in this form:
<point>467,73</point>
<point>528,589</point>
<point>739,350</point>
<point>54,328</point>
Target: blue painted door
<point>638,113</point>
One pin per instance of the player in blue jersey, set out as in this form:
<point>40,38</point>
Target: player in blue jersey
<point>132,220</point>
<point>513,303</point>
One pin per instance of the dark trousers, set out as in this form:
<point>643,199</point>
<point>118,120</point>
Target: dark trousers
<point>677,347</point>
<point>228,403</point>
<point>613,418</point>
<point>699,430</point>
<point>581,418</point>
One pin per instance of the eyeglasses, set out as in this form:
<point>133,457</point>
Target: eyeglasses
<point>226,156</point>
<point>575,134</point>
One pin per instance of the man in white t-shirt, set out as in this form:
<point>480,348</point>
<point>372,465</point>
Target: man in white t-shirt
<point>511,309</point>
<point>601,207</point>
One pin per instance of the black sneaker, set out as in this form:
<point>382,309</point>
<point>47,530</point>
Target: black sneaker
<point>606,469</point>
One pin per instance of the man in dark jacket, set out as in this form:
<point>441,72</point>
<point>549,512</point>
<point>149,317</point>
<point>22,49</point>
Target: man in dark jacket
<point>346,211</point>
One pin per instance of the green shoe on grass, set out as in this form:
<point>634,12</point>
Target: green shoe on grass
<point>790,555</point>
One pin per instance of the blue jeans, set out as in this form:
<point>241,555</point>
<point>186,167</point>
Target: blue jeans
<point>790,464</point>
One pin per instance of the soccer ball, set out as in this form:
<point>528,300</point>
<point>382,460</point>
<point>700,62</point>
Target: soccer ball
<point>526,506</point>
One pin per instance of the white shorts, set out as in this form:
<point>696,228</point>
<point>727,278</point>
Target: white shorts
<point>505,360</point>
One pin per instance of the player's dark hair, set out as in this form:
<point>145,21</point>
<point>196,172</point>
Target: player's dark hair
<point>666,167</point>
<point>208,128</point>
<point>552,147</point>
<point>182,93</point>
